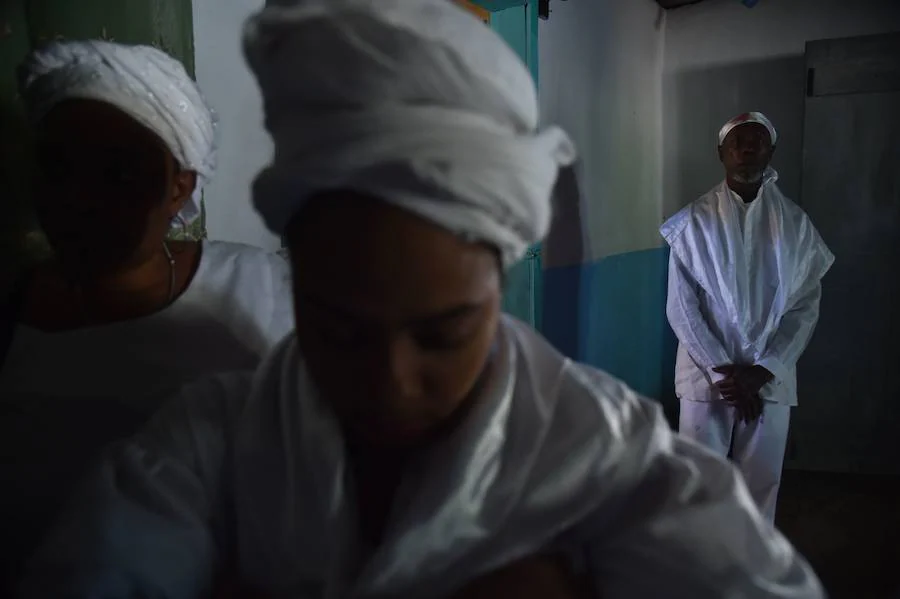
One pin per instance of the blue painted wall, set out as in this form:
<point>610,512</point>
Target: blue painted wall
<point>518,25</point>
<point>610,313</point>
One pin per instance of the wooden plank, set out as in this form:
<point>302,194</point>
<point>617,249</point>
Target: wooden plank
<point>866,64</point>
<point>498,5</point>
<point>838,50</point>
<point>481,13</point>
<point>853,77</point>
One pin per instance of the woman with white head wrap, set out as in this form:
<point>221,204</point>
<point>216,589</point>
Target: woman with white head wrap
<point>120,318</point>
<point>409,439</point>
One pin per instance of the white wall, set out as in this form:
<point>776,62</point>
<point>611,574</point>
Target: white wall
<point>722,59</point>
<point>601,79</point>
<point>244,146</point>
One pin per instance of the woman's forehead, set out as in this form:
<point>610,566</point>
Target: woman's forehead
<point>97,124</point>
<point>353,225</point>
<point>370,257</point>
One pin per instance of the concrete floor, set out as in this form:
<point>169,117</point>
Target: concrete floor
<point>848,527</point>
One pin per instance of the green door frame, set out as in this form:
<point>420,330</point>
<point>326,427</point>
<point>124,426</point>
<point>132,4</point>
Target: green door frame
<point>517,22</point>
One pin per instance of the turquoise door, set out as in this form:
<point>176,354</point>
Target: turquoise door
<point>518,25</point>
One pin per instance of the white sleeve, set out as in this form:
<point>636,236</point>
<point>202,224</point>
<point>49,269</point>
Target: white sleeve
<point>793,334</point>
<point>148,521</point>
<point>688,322</point>
<point>685,527</point>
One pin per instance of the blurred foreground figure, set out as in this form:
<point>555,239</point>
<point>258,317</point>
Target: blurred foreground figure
<point>122,316</point>
<point>745,277</point>
<point>409,440</point>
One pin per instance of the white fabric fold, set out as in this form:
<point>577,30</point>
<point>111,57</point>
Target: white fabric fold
<point>415,102</point>
<point>555,456</point>
<point>145,83</point>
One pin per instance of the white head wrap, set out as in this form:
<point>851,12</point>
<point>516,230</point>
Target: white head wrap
<point>748,117</point>
<point>145,83</point>
<point>413,101</point>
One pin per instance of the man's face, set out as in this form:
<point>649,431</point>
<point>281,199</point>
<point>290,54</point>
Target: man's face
<point>746,152</point>
<point>395,316</point>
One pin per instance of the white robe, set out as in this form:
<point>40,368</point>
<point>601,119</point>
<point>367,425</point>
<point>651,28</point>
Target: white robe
<point>744,288</point>
<point>237,307</point>
<point>63,396</point>
<point>554,455</point>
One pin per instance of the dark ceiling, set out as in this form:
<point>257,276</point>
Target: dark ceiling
<point>676,3</point>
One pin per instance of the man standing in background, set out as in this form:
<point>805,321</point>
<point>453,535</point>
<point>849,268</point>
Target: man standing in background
<point>745,276</point>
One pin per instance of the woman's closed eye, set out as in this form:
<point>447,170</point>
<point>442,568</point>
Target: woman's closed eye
<point>447,337</point>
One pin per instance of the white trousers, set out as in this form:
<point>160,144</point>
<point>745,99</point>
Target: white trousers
<point>757,448</point>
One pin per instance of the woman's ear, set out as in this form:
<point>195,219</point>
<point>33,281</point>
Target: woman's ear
<point>183,185</point>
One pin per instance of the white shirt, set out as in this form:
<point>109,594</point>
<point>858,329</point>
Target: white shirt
<point>744,288</point>
<point>63,396</point>
<point>236,308</point>
<point>248,472</point>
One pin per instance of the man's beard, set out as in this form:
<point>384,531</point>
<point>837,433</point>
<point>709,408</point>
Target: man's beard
<point>748,179</point>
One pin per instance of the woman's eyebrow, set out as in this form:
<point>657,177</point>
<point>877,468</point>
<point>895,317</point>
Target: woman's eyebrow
<point>449,314</point>
<point>454,312</point>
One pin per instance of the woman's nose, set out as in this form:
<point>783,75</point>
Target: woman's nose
<point>400,368</point>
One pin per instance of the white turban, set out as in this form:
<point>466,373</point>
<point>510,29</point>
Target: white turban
<point>145,83</point>
<point>748,117</point>
<point>413,101</point>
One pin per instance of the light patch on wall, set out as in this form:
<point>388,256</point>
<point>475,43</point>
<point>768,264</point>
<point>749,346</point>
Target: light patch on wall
<point>479,12</point>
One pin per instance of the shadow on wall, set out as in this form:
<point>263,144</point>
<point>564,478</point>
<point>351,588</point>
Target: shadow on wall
<point>565,244</point>
<point>699,102</point>
<point>608,313</point>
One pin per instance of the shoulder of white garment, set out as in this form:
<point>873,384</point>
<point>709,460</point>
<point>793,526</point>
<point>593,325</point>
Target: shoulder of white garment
<point>675,225</point>
<point>580,401</point>
<point>614,478</point>
<point>773,193</point>
<point>252,262</point>
<point>195,427</point>
<point>227,254</point>
<point>808,236</point>
<point>207,407</point>
<point>247,282</point>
